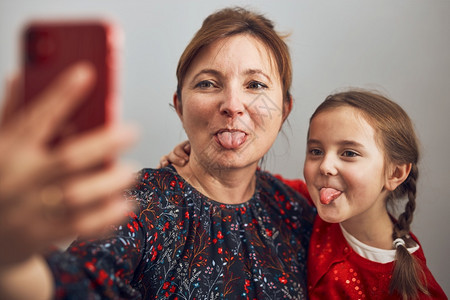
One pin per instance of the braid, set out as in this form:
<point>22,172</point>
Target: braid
<point>407,274</point>
<point>402,227</point>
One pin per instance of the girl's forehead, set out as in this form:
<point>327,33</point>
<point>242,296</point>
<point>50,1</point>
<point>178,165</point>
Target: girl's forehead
<point>342,121</point>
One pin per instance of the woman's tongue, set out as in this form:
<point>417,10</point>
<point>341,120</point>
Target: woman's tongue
<point>231,139</point>
<point>328,194</point>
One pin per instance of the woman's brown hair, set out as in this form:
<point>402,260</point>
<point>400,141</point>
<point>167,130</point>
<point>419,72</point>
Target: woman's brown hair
<point>232,21</point>
<point>396,136</point>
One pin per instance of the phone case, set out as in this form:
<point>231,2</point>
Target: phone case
<point>50,47</point>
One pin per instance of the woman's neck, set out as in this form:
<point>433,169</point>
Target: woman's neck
<point>231,186</point>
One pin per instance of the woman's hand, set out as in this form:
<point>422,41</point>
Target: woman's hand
<point>50,194</point>
<point>179,156</point>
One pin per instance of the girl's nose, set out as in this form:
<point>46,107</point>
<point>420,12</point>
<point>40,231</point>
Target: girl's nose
<point>328,166</point>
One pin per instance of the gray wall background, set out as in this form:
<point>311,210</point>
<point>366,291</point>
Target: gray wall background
<point>400,47</point>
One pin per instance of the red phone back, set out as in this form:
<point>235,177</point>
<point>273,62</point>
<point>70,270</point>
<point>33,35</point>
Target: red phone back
<point>50,47</point>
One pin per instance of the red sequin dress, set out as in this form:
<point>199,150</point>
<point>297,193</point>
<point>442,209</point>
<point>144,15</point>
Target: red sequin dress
<point>335,271</point>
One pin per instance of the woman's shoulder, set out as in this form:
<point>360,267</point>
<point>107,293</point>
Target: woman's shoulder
<point>152,174</point>
<point>157,178</point>
<point>157,184</point>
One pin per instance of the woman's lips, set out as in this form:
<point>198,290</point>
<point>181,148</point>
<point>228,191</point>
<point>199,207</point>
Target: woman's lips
<point>231,139</point>
<point>328,194</point>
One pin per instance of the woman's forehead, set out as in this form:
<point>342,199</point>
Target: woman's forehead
<point>238,53</point>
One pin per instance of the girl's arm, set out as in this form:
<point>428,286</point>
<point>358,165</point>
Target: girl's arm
<point>179,156</point>
<point>298,185</point>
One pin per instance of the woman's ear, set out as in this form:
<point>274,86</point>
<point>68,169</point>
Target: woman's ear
<point>397,175</point>
<point>177,105</point>
<point>287,107</point>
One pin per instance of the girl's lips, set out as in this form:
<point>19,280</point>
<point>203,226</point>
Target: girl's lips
<point>328,194</point>
<point>231,139</point>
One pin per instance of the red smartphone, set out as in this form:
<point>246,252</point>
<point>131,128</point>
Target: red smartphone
<point>49,47</point>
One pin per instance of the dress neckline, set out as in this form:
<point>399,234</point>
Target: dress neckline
<point>213,202</point>
<point>372,253</point>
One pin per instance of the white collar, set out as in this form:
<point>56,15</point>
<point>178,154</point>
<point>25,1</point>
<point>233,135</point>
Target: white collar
<point>371,253</point>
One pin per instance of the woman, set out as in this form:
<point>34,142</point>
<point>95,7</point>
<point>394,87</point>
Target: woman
<point>217,227</point>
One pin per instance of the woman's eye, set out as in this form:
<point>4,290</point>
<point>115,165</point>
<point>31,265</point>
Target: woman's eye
<point>256,85</point>
<point>204,84</point>
<point>349,153</point>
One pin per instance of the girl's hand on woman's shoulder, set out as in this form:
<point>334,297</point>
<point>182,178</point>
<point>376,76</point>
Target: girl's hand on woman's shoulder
<point>179,156</point>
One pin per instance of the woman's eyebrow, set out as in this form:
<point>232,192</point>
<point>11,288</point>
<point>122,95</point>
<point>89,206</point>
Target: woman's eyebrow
<point>258,71</point>
<point>219,74</point>
<point>206,71</point>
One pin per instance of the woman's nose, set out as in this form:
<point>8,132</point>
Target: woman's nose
<point>328,166</point>
<point>232,104</point>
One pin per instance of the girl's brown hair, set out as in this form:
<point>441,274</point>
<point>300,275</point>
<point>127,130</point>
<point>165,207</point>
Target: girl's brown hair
<point>396,136</point>
<point>232,21</point>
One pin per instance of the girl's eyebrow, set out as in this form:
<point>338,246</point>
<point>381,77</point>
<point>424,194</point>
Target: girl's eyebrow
<point>313,141</point>
<point>343,143</point>
<point>350,143</point>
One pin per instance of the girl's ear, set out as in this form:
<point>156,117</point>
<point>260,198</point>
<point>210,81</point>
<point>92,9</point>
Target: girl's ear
<point>397,175</point>
<point>177,105</point>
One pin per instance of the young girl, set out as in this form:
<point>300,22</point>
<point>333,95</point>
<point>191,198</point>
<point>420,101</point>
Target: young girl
<point>362,155</point>
<point>361,158</point>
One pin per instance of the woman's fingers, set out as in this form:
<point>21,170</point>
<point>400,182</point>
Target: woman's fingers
<point>19,168</point>
<point>98,146</point>
<point>31,165</point>
<point>42,118</point>
<point>87,190</point>
<point>11,98</point>
<point>58,210</point>
<point>96,222</point>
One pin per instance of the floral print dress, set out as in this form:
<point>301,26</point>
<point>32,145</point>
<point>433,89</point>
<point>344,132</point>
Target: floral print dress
<point>182,245</point>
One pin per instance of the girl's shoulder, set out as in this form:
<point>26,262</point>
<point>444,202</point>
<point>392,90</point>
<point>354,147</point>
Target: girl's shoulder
<point>297,184</point>
<point>286,193</point>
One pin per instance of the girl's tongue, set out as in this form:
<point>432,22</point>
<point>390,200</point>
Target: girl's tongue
<point>328,194</point>
<point>231,139</point>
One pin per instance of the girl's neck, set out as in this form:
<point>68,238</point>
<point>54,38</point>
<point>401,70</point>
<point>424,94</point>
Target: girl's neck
<point>374,230</point>
<point>231,186</point>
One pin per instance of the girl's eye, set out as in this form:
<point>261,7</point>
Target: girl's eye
<point>349,153</point>
<point>256,85</point>
<point>315,152</point>
<point>204,84</point>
